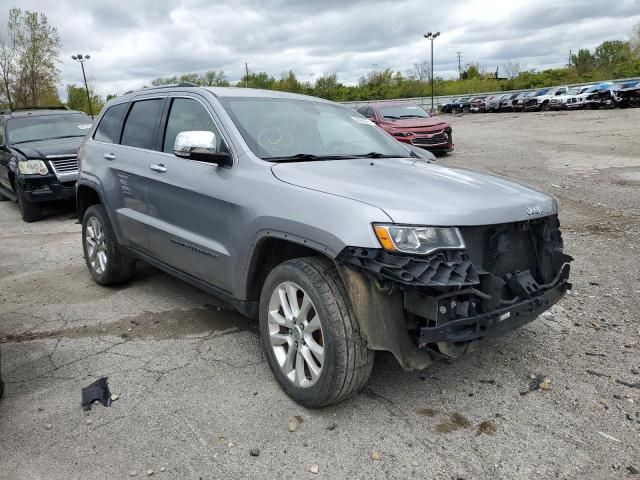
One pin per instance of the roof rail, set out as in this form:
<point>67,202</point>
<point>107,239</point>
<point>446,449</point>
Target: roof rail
<point>21,109</point>
<point>168,85</point>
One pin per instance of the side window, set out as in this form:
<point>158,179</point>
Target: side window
<point>187,114</point>
<point>140,124</point>
<point>107,131</point>
<point>362,111</point>
<point>371,114</point>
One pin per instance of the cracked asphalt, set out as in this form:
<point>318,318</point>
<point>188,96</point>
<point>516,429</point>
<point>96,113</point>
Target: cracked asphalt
<point>196,394</point>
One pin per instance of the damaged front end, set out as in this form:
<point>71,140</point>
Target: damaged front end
<point>423,308</point>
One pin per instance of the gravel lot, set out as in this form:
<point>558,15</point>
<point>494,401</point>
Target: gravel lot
<point>196,394</point>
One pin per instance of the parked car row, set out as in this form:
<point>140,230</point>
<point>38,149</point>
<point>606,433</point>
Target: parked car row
<point>306,216</point>
<point>601,95</point>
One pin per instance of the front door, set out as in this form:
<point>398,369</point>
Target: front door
<point>188,200</point>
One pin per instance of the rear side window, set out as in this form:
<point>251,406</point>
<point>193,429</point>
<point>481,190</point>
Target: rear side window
<point>140,124</point>
<point>107,131</point>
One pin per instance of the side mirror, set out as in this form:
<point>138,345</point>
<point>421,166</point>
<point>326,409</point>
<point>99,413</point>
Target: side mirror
<point>200,145</point>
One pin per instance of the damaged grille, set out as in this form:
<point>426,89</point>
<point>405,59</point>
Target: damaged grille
<point>510,251</point>
<point>445,268</point>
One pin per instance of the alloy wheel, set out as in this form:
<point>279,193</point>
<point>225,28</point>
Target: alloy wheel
<point>96,245</point>
<point>295,334</point>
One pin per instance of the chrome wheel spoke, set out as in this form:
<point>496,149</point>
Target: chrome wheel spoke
<point>279,339</point>
<point>275,317</point>
<point>301,376</point>
<point>312,366</point>
<point>315,348</point>
<point>313,325</point>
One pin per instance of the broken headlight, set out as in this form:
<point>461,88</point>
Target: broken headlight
<point>30,167</point>
<point>418,240</point>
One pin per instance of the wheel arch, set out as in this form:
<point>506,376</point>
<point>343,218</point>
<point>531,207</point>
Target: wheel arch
<point>273,249</point>
<point>86,195</point>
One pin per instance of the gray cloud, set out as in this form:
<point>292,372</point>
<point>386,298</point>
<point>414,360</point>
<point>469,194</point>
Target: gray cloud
<point>132,42</point>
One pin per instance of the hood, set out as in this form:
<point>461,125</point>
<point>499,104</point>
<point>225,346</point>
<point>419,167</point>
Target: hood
<point>43,148</point>
<point>416,192</point>
<point>414,122</point>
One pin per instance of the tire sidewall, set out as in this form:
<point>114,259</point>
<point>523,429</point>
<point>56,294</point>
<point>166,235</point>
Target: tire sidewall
<point>316,394</point>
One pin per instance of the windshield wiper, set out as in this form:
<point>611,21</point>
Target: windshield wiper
<point>308,157</point>
<point>391,116</point>
<point>412,116</point>
<point>376,155</point>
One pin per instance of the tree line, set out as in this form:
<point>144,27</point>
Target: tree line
<point>30,53</point>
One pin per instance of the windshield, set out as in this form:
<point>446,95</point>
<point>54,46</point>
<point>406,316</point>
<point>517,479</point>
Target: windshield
<point>541,92</point>
<point>403,111</point>
<point>275,128</point>
<point>573,91</point>
<point>47,127</point>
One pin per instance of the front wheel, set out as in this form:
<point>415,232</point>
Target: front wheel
<point>30,211</point>
<point>310,335</point>
<point>107,264</point>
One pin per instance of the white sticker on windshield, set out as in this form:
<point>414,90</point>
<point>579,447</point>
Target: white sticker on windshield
<point>411,108</point>
<point>364,121</point>
<point>84,126</point>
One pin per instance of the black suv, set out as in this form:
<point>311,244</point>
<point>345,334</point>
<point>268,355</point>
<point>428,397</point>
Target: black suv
<point>38,156</point>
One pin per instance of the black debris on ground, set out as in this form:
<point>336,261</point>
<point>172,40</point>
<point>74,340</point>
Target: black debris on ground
<point>98,391</point>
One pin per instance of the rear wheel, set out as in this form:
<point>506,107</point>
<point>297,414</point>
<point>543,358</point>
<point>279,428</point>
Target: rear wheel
<point>107,264</point>
<point>30,211</point>
<point>310,335</point>
<point>466,109</point>
<point>545,107</point>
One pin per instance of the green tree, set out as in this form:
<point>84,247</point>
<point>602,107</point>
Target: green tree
<point>584,61</point>
<point>77,99</point>
<point>38,50</point>
<point>609,54</point>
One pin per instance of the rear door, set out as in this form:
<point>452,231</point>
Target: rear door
<point>188,200</point>
<point>126,133</point>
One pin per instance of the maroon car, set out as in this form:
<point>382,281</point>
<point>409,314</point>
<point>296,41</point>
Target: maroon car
<point>410,123</point>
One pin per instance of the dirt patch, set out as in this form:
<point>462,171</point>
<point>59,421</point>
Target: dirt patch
<point>487,427</point>
<point>157,325</point>
<point>456,422</point>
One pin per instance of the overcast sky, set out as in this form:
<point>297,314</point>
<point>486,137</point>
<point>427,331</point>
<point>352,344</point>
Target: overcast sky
<point>134,41</point>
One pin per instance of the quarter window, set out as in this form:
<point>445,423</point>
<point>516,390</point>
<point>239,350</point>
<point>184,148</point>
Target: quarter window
<point>185,115</point>
<point>140,124</point>
<point>107,131</point>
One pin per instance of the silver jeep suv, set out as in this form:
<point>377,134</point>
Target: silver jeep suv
<point>302,213</point>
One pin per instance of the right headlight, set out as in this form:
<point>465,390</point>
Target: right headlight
<point>32,167</point>
<point>417,239</point>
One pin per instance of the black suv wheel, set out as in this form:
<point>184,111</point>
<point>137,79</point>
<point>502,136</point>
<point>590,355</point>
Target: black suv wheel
<point>310,334</point>
<point>30,211</point>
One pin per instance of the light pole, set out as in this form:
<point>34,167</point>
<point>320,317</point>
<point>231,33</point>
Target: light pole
<point>83,58</point>
<point>432,37</point>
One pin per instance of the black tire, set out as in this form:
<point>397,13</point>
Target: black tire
<point>30,211</point>
<point>545,107</point>
<point>119,268</point>
<point>347,360</point>
<point>466,109</point>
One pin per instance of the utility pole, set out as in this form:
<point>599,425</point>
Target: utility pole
<point>246,78</point>
<point>569,58</point>
<point>431,36</point>
<point>83,58</point>
<point>459,65</point>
